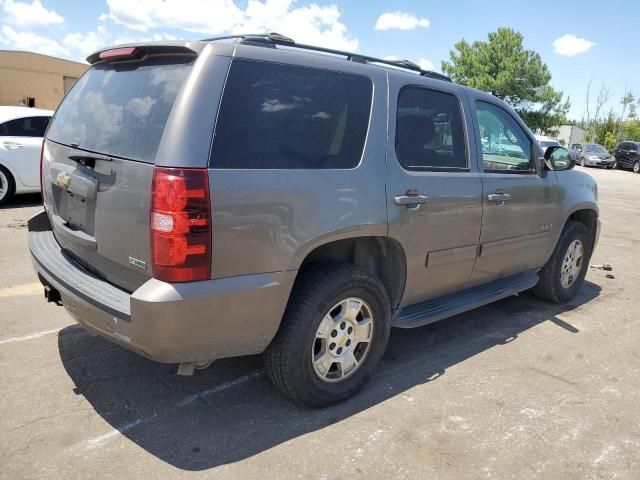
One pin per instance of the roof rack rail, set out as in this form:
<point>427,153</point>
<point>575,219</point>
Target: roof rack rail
<point>273,39</point>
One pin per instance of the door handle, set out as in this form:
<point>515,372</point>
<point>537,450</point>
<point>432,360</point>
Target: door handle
<point>12,145</point>
<point>499,197</point>
<point>412,199</point>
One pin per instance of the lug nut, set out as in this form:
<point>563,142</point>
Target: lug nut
<point>343,325</point>
<point>348,342</point>
<point>350,330</point>
<point>334,334</point>
<point>339,351</point>
<point>332,346</point>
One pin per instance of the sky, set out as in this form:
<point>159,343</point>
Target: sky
<point>579,41</point>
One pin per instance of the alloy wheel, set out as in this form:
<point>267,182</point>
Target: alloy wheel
<point>571,264</point>
<point>343,340</point>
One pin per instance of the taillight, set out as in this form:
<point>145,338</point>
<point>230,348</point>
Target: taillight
<point>118,53</point>
<point>180,224</point>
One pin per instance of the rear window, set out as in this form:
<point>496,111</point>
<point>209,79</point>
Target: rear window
<point>121,109</point>
<point>276,116</point>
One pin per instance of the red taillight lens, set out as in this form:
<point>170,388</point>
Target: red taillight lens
<point>115,53</point>
<point>180,224</point>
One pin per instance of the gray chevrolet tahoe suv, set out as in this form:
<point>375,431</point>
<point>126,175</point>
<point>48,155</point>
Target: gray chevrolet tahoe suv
<point>238,196</point>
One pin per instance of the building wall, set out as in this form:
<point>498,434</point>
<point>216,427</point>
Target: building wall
<point>569,134</point>
<point>26,74</point>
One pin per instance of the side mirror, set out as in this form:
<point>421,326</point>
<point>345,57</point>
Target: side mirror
<point>559,159</point>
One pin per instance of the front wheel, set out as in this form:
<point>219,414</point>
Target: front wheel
<point>563,274</point>
<point>636,166</point>
<point>583,163</point>
<point>333,334</point>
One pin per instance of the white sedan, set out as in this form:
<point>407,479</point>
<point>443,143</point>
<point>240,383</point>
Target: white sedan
<point>21,133</point>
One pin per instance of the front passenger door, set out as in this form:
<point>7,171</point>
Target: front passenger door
<point>518,197</point>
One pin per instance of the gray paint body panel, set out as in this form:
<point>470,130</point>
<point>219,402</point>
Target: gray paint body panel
<point>266,222</point>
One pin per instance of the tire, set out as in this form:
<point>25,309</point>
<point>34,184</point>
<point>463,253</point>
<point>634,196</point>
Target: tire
<point>550,286</point>
<point>316,294</point>
<point>616,165</point>
<point>582,162</point>
<point>636,166</point>
<point>7,186</point>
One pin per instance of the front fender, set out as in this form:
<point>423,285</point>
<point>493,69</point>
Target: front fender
<point>578,192</point>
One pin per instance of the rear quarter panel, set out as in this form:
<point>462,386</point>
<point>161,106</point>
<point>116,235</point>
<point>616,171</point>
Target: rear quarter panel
<point>269,220</point>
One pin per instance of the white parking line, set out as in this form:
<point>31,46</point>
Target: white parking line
<point>21,290</point>
<point>31,336</point>
<point>219,388</point>
<point>108,437</point>
<point>113,434</point>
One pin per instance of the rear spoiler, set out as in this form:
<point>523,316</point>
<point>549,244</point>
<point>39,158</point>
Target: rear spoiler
<point>138,51</point>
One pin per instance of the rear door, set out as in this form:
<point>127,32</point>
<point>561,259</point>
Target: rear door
<point>21,145</point>
<point>623,155</point>
<point>98,162</point>
<point>433,188</point>
<point>519,198</point>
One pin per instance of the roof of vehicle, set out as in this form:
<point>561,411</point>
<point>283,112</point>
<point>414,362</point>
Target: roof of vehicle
<point>11,113</point>
<point>275,40</point>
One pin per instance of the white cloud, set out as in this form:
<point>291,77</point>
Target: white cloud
<point>570,45</point>
<point>400,20</point>
<point>32,42</point>
<point>203,16</point>
<point>425,64</point>
<point>32,14</point>
<point>87,43</point>
<point>308,24</point>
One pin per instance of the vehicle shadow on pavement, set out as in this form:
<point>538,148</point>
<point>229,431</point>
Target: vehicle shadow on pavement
<point>23,201</point>
<point>230,412</point>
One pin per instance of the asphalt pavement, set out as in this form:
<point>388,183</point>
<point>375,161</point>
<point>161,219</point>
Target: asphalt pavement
<point>517,389</point>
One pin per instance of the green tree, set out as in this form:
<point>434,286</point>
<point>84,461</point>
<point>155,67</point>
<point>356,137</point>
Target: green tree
<point>502,66</point>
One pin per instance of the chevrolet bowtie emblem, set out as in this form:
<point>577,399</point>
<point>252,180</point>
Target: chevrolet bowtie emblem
<point>63,180</point>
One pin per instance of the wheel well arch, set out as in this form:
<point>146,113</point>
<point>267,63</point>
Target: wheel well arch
<point>588,217</point>
<point>380,256</point>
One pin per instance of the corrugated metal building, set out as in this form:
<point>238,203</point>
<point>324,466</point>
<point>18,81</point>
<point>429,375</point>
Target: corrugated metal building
<point>36,80</point>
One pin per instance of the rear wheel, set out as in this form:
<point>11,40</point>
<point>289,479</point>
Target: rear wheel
<point>333,334</point>
<point>7,186</point>
<point>563,274</point>
<point>636,166</point>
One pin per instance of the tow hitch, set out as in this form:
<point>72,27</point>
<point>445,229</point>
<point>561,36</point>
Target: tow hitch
<point>52,295</point>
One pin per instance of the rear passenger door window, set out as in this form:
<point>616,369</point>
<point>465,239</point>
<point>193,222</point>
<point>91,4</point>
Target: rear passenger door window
<point>506,148</point>
<point>277,116</point>
<point>25,127</point>
<point>429,130</point>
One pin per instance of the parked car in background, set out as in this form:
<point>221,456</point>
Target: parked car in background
<point>627,155</point>
<point>21,133</point>
<point>307,206</point>
<point>593,155</point>
<point>546,142</point>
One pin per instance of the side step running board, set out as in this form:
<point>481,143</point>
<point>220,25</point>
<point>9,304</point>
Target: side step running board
<point>433,310</point>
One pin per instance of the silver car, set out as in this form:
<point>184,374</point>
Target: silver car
<point>250,195</point>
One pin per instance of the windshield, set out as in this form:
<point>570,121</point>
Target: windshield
<point>121,109</point>
<point>549,143</point>
<point>594,148</point>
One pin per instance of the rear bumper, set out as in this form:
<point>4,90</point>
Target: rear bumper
<point>169,323</point>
